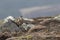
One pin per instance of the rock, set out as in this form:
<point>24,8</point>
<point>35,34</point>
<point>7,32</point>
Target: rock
<point>9,18</point>
<point>9,26</point>
<point>57,18</point>
<point>27,26</point>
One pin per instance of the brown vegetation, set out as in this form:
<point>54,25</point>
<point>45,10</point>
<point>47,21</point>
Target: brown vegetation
<point>36,28</point>
<point>46,29</point>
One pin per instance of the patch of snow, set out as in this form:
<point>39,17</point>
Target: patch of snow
<point>28,19</point>
<point>9,18</point>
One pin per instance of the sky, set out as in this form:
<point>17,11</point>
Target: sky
<point>14,7</point>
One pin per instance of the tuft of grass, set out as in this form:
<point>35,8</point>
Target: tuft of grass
<point>28,37</point>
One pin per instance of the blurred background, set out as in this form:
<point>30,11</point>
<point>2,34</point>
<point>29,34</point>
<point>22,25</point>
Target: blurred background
<point>29,8</point>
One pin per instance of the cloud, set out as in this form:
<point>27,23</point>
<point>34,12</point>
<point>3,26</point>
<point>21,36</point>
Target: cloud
<point>28,10</point>
<point>40,9</point>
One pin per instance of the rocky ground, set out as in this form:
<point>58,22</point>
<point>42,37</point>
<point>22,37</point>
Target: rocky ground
<point>46,28</point>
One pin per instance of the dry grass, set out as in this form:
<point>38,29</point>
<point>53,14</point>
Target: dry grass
<point>1,22</point>
<point>36,28</point>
